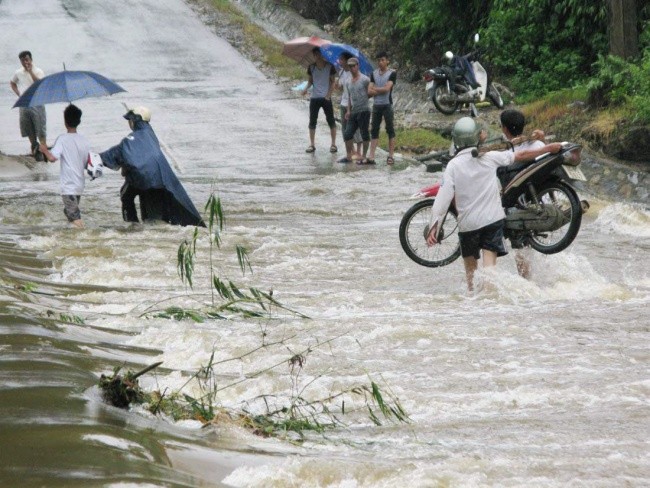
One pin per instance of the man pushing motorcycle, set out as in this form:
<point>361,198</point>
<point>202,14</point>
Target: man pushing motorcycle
<point>470,179</point>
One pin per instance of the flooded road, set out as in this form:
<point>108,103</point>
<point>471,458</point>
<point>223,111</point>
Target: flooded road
<point>534,383</point>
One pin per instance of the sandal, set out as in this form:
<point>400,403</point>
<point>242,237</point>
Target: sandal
<point>366,161</point>
<point>344,160</point>
<point>390,160</point>
<point>333,148</point>
<point>310,149</point>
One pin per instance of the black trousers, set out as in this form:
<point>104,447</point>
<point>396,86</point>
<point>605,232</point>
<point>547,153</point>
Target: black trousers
<point>152,204</point>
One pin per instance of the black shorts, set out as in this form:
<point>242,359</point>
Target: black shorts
<point>489,238</point>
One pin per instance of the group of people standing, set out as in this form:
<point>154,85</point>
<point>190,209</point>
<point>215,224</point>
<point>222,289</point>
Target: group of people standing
<point>147,173</point>
<point>360,123</point>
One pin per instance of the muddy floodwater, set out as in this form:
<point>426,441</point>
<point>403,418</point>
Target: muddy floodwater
<point>529,383</point>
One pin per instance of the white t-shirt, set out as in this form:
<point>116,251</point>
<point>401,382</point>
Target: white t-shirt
<point>529,145</point>
<point>474,185</point>
<point>72,149</point>
<point>24,80</point>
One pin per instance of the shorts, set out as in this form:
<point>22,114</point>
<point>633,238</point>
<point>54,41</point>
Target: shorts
<point>358,122</point>
<point>71,207</point>
<point>344,123</point>
<point>315,104</point>
<point>33,123</point>
<point>385,111</point>
<point>489,238</point>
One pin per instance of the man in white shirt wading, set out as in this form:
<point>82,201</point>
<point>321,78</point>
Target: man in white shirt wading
<point>472,181</point>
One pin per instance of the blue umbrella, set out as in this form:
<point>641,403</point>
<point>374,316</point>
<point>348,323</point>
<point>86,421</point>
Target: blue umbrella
<point>331,53</point>
<point>67,86</point>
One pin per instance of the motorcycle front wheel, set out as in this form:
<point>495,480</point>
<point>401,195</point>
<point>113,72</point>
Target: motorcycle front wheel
<point>494,96</point>
<point>413,231</point>
<point>440,93</point>
<point>565,199</point>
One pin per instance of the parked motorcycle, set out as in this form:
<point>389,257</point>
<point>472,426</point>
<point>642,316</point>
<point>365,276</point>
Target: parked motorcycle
<point>463,81</point>
<point>542,210</point>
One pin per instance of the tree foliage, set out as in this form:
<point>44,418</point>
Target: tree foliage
<point>534,46</point>
<point>545,45</point>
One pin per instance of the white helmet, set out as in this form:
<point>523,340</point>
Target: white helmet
<point>142,112</point>
<point>465,133</point>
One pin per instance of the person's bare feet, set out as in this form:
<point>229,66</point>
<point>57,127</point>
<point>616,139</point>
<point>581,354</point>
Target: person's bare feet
<point>78,223</point>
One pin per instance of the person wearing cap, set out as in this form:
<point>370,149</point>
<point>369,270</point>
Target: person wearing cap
<point>344,76</point>
<point>358,111</point>
<point>147,174</point>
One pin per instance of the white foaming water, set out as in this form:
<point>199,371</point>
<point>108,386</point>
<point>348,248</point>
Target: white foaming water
<point>524,383</point>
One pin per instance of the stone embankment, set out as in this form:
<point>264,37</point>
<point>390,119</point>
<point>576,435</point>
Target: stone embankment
<point>608,178</point>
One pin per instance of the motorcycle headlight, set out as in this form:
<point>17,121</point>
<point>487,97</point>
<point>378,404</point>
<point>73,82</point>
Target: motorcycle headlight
<point>572,157</point>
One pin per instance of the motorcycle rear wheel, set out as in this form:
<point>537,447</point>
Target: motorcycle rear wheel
<point>563,197</point>
<point>446,107</point>
<point>413,226</point>
<point>494,96</point>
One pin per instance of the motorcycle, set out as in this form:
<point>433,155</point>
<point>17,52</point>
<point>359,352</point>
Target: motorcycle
<point>463,81</point>
<point>542,210</point>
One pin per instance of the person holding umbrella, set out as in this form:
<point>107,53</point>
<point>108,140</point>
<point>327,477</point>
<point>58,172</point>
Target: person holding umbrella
<point>32,119</point>
<point>321,77</point>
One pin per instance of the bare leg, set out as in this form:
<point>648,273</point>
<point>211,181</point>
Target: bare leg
<point>78,223</point>
<point>33,144</point>
<point>471,263</point>
<point>391,147</point>
<point>312,136</point>
<point>357,153</point>
<point>373,148</point>
<point>333,135</point>
<point>349,146</point>
<point>489,258</point>
<point>523,265</point>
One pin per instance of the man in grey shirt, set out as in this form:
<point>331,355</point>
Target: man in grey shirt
<point>321,77</point>
<point>358,111</point>
<point>381,87</point>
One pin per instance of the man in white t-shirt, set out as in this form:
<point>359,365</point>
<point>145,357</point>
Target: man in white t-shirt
<point>72,149</point>
<point>32,119</point>
<point>472,182</point>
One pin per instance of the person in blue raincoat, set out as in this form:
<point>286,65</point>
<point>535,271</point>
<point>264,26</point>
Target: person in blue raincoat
<point>148,175</point>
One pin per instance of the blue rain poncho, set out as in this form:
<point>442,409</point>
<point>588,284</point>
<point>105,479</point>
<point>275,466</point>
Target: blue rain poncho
<point>145,167</point>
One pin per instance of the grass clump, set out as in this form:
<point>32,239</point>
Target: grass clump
<point>259,45</point>
<point>414,140</point>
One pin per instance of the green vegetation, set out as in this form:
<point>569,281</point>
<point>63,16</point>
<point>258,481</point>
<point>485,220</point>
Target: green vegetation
<point>287,416</point>
<point>291,414</point>
<point>533,46</point>
<point>415,140</point>
<point>259,45</point>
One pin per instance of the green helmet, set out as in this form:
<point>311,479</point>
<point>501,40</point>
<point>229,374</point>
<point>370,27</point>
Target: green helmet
<point>465,133</point>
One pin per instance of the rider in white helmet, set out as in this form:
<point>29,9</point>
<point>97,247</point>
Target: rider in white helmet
<point>471,182</point>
